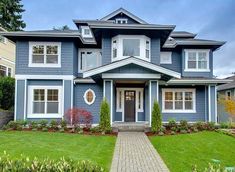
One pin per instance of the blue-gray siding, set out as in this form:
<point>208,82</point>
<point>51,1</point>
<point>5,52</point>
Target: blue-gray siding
<point>176,62</point>
<point>67,60</point>
<point>155,51</point>
<point>94,108</point>
<point>106,49</point>
<point>131,68</point>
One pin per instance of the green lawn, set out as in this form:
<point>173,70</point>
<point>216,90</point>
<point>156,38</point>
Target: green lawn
<point>98,149</point>
<point>180,152</point>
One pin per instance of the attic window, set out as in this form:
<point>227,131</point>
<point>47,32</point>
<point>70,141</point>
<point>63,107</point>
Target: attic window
<point>121,21</point>
<point>86,32</point>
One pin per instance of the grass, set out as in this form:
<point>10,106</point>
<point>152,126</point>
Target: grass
<point>180,152</point>
<point>98,149</point>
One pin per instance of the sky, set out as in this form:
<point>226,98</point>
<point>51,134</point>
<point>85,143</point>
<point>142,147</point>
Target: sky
<point>209,19</point>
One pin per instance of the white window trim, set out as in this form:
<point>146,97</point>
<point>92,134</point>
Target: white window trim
<point>167,53</point>
<point>31,64</point>
<point>83,28</point>
<point>142,38</point>
<point>84,97</point>
<point>86,50</point>
<point>180,110</point>
<point>207,51</point>
<point>122,20</point>
<point>7,70</point>
<point>141,90</point>
<point>44,115</point>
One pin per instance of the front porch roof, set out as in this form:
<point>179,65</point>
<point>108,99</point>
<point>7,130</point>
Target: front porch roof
<point>131,60</point>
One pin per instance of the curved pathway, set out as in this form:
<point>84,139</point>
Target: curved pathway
<point>134,153</point>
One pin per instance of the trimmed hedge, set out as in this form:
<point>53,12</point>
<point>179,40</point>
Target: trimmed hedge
<point>156,122</point>
<point>24,164</point>
<point>7,91</point>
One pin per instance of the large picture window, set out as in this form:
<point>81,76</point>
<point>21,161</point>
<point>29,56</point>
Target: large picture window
<point>124,46</point>
<point>44,101</point>
<point>45,54</point>
<point>197,60</point>
<point>89,59</point>
<point>179,100</point>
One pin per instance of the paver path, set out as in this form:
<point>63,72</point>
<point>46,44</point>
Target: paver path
<point>134,153</point>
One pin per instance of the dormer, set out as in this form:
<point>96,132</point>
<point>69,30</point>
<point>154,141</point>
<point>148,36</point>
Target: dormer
<point>86,32</point>
<point>122,16</point>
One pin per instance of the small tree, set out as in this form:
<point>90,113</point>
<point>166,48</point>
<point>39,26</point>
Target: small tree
<point>156,122</point>
<point>229,105</point>
<point>7,92</point>
<point>105,116</point>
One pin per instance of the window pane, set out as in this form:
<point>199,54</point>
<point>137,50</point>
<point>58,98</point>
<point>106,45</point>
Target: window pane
<point>52,59</point>
<point>188,105</point>
<point>168,105</point>
<point>9,71</point>
<point>52,107</point>
<point>3,70</point>
<point>38,59</point>
<point>202,65</point>
<point>39,94</point>
<point>188,96</point>
<point>202,56</point>
<point>52,49</point>
<point>38,49</point>
<point>192,56</point>
<point>89,96</point>
<point>179,105</point>
<point>178,96</point>
<point>168,96</point>
<point>192,64</point>
<point>38,107</point>
<point>87,31</point>
<point>52,95</point>
<point>131,47</point>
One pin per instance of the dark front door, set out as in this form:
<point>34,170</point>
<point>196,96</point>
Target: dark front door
<point>129,106</point>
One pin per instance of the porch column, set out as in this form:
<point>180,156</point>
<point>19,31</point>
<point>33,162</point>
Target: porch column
<point>212,103</point>
<point>108,95</point>
<point>153,95</point>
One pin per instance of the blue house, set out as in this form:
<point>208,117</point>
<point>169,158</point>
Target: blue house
<point>122,58</point>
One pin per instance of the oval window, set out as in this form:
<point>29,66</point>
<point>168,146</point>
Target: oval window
<point>89,96</point>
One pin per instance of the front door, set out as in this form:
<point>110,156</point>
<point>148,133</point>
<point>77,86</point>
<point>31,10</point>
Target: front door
<point>129,106</point>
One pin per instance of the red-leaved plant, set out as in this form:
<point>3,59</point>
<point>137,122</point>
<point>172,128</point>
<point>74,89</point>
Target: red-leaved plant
<point>79,116</point>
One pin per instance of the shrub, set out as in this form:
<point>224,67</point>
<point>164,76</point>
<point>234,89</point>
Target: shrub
<point>172,125</point>
<point>13,125</point>
<point>105,116</point>
<point>25,164</point>
<point>184,125</point>
<point>200,125</point>
<point>224,125</point>
<point>183,131</point>
<point>215,167</point>
<point>7,91</point>
<point>96,129</point>
<point>211,126</point>
<point>156,122</point>
<point>43,123</point>
<point>172,132</point>
<point>63,124</point>
<point>33,124</point>
<point>45,129</point>
<point>23,123</point>
<point>53,125</point>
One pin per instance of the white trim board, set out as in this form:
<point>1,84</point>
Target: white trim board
<point>53,77</point>
<point>130,75</point>
<point>131,60</point>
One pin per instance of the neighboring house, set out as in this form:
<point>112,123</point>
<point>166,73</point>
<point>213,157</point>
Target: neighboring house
<point>226,91</point>
<point>121,58</point>
<point>7,56</point>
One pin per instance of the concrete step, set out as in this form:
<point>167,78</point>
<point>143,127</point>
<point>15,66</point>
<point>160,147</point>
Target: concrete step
<point>135,127</point>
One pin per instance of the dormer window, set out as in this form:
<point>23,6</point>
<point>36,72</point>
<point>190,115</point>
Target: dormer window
<point>86,32</point>
<point>121,21</point>
<point>124,46</point>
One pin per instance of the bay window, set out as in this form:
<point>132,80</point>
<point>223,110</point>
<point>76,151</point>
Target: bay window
<point>44,54</point>
<point>124,46</point>
<point>178,100</point>
<point>89,59</point>
<point>197,60</point>
<point>44,102</point>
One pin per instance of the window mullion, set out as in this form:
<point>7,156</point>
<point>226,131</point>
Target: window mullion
<point>173,99</point>
<point>183,93</point>
<point>45,53</point>
<point>45,99</point>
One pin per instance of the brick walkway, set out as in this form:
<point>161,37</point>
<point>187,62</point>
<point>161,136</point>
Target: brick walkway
<point>134,153</point>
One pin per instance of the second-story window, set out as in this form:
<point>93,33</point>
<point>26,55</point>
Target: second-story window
<point>44,54</point>
<point>124,46</point>
<point>197,60</point>
<point>89,59</point>
<point>121,21</point>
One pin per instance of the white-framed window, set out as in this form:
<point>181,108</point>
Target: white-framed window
<point>44,54</point>
<point>5,71</point>
<point>228,95</point>
<point>121,21</point>
<point>89,96</point>
<point>124,46</point>
<point>166,58</point>
<point>45,102</point>
<point>178,100</point>
<point>197,60</point>
<point>89,59</point>
<point>86,32</point>
<point>3,39</point>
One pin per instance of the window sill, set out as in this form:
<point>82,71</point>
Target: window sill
<point>178,111</point>
<point>45,65</point>
<point>44,116</point>
<point>197,70</point>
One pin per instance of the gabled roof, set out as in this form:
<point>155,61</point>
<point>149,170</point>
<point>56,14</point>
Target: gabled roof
<point>228,85</point>
<point>130,60</point>
<point>122,10</point>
